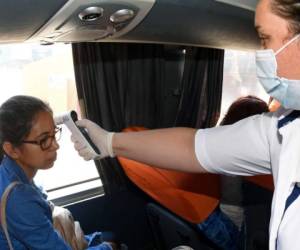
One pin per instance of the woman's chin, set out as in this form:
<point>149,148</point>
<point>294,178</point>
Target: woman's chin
<point>50,163</point>
<point>47,166</point>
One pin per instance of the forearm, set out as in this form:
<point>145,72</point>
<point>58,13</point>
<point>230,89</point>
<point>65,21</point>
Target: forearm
<point>172,148</point>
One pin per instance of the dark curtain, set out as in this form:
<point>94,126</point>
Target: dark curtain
<point>200,101</point>
<point>122,85</point>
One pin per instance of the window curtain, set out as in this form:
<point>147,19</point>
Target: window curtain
<point>201,96</point>
<point>122,85</point>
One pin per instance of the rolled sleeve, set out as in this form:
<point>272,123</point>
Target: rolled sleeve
<point>238,149</point>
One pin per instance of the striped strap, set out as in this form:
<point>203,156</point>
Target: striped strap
<point>289,118</point>
<point>3,211</point>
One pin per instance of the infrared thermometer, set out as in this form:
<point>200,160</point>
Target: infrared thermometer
<point>81,134</point>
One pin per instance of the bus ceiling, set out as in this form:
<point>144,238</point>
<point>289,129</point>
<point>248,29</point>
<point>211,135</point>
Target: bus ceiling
<point>208,23</point>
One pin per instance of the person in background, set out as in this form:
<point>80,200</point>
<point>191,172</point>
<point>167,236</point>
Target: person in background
<point>261,144</point>
<point>231,186</point>
<point>232,194</point>
<point>28,138</point>
<point>229,216</point>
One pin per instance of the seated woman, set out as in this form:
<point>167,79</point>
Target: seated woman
<point>28,138</point>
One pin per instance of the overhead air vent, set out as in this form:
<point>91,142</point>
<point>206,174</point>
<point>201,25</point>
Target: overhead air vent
<point>91,14</point>
<point>122,16</point>
<point>93,20</point>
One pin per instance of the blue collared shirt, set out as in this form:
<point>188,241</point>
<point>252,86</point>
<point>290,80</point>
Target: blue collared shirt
<point>28,214</point>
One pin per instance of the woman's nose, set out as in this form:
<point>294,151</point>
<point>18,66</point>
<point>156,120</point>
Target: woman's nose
<point>55,144</point>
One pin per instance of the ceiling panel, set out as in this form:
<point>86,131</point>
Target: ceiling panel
<point>20,19</point>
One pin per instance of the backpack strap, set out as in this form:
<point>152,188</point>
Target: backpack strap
<point>3,211</point>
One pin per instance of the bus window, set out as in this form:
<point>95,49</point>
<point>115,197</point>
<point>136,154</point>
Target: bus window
<point>47,72</point>
<point>239,78</point>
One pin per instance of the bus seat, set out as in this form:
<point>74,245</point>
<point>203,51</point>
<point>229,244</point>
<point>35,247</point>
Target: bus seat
<point>265,181</point>
<point>170,231</point>
<point>257,200</point>
<point>191,196</point>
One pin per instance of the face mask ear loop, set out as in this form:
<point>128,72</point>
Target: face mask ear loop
<point>287,44</point>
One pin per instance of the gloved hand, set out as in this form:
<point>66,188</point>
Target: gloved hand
<point>100,137</point>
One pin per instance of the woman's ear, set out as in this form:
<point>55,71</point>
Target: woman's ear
<point>10,150</point>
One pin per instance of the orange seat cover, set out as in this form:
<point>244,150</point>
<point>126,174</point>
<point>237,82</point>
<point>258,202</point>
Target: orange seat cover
<point>265,181</point>
<point>190,196</point>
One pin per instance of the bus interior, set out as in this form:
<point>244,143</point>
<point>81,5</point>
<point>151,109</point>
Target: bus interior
<point>136,63</point>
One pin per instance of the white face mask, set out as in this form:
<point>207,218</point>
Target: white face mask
<point>286,91</point>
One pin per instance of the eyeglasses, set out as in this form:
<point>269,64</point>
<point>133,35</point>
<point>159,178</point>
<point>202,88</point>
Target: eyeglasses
<point>46,142</point>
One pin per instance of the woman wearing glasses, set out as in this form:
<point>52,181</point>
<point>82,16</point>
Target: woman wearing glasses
<point>28,138</point>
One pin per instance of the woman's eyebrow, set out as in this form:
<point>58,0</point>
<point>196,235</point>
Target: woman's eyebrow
<point>43,134</point>
<point>259,29</point>
<point>46,132</point>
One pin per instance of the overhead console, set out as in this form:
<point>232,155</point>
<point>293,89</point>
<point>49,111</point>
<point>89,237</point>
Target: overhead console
<point>93,20</point>
<point>208,23</point>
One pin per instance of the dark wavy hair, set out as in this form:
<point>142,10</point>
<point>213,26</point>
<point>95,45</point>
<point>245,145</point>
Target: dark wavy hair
<point>289,10</point>
<point>17,115</point>
<point>244,107</point>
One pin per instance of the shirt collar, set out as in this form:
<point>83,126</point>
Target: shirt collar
<point>287,118</point>
<point>14,169</point>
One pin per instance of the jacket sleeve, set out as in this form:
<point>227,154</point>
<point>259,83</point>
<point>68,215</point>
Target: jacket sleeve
<point>29,221</point>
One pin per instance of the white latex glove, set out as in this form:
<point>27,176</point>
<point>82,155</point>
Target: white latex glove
<point>100,137</point>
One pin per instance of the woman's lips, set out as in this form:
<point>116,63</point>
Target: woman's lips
<point>53,158</point>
